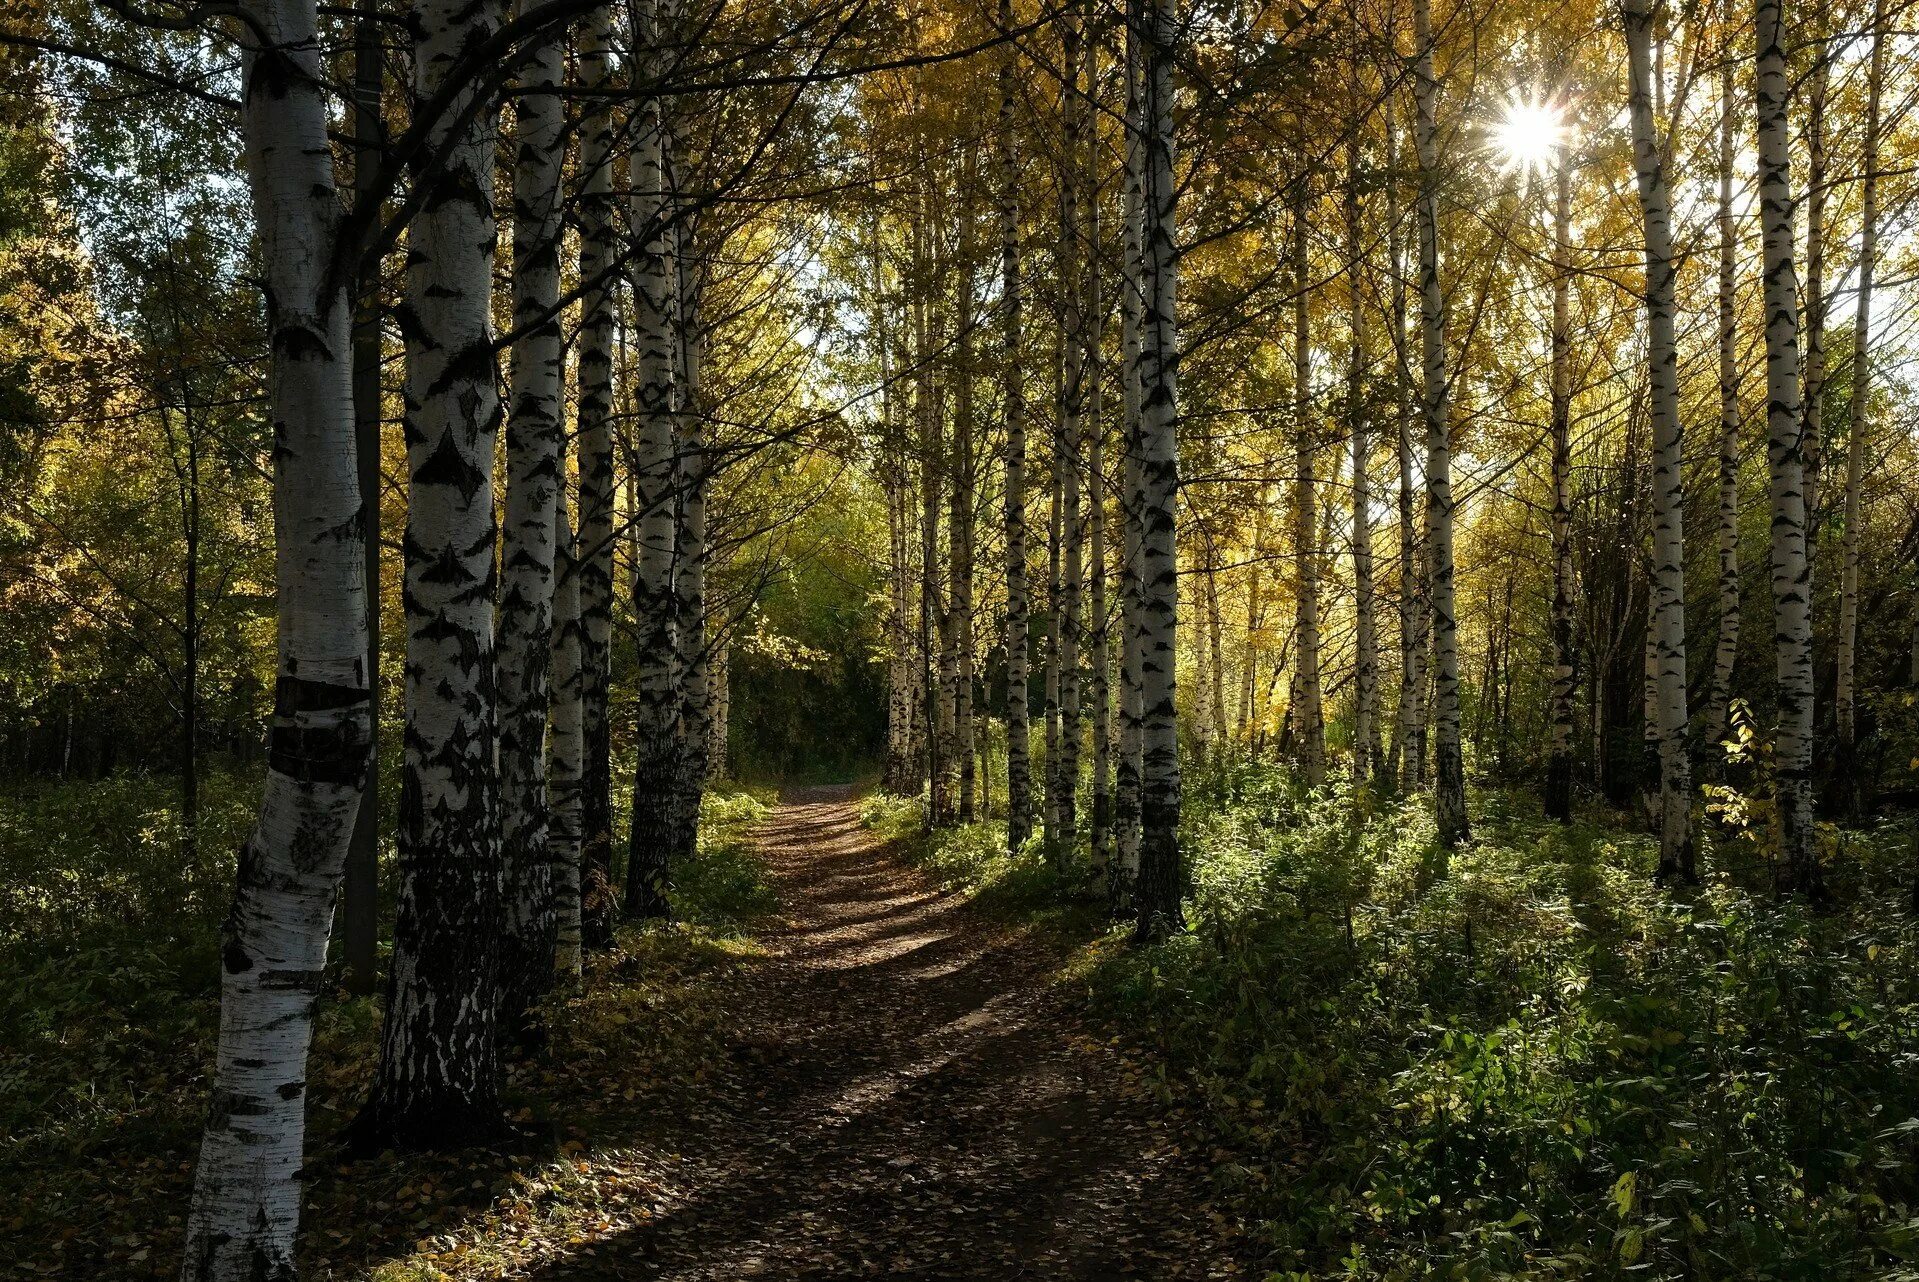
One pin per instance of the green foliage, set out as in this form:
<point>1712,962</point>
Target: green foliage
<point>89,863</point>
<point>723,889</point>
<point>1538,1064</point>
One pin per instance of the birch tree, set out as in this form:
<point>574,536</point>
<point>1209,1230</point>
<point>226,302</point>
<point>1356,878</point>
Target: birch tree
<point>534,446</point>
<point>1668,477</point>
<point>1309,721</point>
<point>1785,460</point>
<point>654,270</point>
<point>1449,770</point>
<point>245,1209</point>
<point>1019,785</point>
<point>1559,760</point>
<point>1157,893</point>
<point>1726,651</point>
<point>439,1076</point>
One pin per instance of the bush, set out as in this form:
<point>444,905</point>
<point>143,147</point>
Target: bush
<point>1536,1064</point>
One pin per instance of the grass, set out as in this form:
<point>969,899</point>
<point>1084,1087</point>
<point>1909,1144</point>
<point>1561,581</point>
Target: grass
<point>107,1030</point>
<point>1526,1061</point>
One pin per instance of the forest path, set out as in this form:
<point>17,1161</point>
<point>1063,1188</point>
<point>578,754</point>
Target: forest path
<point>910,1095</point>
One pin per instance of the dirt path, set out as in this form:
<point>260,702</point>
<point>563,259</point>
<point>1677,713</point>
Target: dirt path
<point>911,1097</point>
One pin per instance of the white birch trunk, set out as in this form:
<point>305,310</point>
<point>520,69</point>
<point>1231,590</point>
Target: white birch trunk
<point>1785,458</point>
<point>1367,752</point>
<point>1160,881</point>
<point>1857,424</point>
<point>534,444</point>
<point>1408,755</point>
<point>1449,771</point>
<point>1019,783</point>
<point>654,270</point>
<point>1726,651</point>
<point>599,250</point>
<point>1126,798</point>
<point>245,1211</point>
<point>440,1067</point>
<point>566,750</point>
<point>1668,475</point>
<point>1309,718</point>
<point>1565,687</point>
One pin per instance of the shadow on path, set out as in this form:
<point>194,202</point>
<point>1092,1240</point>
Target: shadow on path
<point>909,1096</point>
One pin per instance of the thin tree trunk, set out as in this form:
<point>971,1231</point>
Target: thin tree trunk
<point>598,250</point>
<point>1126,782</point>
<point>1668,480</point>
<point>1098,650</point>
<point>656,733</point>
<point>1050,679</point>
<point>1449,770</point>
<point>1785,457</point>
<point>360,899</point>
<point>566,750</point>
<point>1856,426</point>
<point>1408,756</point>
<point>1019,784</point>
<point>534,446</point>
<point>1813,371</point>
<point>245,1210</point>
<point>1559,758</point>
<point>1726,651</point>
<point>1067,449</point>
<point>1157,894</point>
<point>1309,720</point>
<point>690,541</point>
<point>960,521</point>
<point>1368,756</point>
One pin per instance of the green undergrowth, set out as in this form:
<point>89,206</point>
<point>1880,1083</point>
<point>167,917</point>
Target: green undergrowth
<point>108,1019</point>
<point>973,860</point>
<point>1526,1060</point>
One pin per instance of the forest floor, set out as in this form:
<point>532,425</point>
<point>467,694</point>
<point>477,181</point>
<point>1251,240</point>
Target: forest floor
<point>844,1072</point>
<point>910,1094</point>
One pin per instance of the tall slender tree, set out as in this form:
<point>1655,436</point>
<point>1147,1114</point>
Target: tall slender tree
<point>245,1208</point>
<point>1785,459</point>
<point>1019,785</point>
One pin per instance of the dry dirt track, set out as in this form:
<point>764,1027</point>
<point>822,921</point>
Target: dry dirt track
<point>911,1097</point>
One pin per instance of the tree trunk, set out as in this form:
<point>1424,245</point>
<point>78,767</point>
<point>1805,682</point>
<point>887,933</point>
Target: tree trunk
<point>690,541</point>
<point>656,722</point>
<point>1813,371</point>
<point>1408,755</point>
<point>1126,781</point>
<point>566,751</point>
<point>599,249</point>
<point>1071,430</point>
<point>960,522</point>
<point>1668,479</point>
<point>1161,880</point>
<point>1367,753</point>
<point>360,899</point>
<point>1856,428</point>
<point>245,1210</point>
<point>1449,769</point>
<point>440,1070</point>
<point>1559,755</point>
<point>1785,458</point>
<point>534,448</point>
<point>1309,720</point>
<point>1098,651</point>
<point>1050,679</point>
<point>1019,784</point>
<point>1726,651</point>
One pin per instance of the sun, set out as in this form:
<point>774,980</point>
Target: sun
<point>1528,136</point>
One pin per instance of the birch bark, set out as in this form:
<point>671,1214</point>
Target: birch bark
<point>1449,770</point>
<point>1785,459</point>
<point>1856,424</point>
<point>534,443</point>
<point>1668,475</point>
<point>1019,784</point>
<point>244,1214</point>
<point>656,734</point>
<point>1157,894</point>
<point>439,1075</point>
<point>1559,757</point>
